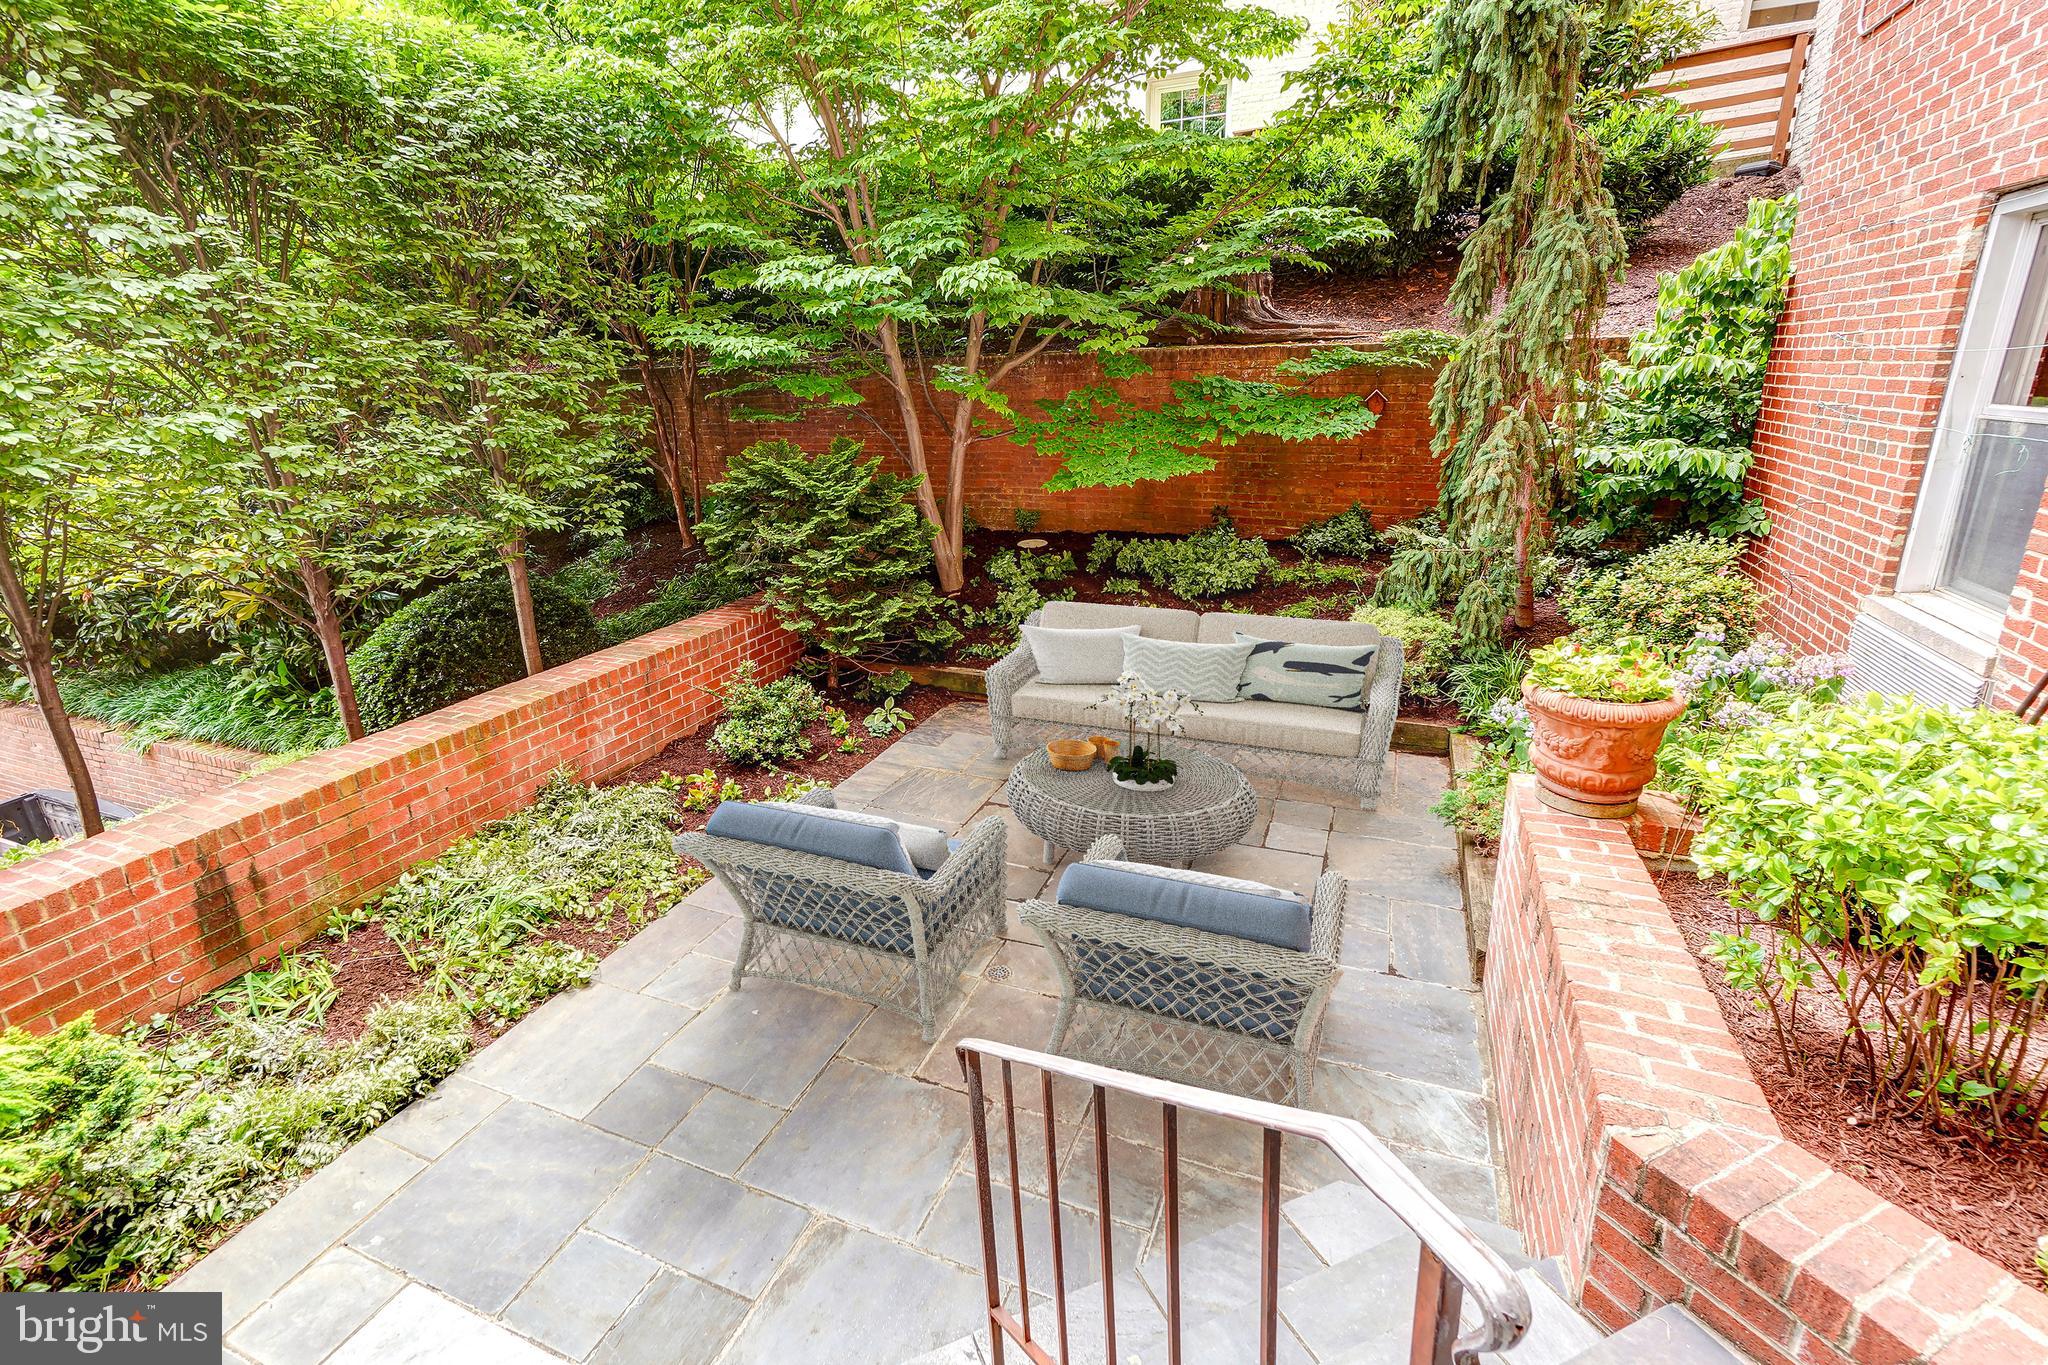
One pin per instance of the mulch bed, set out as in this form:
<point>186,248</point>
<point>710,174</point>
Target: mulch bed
<point>1700,219</point>
<point>1991,1197</point>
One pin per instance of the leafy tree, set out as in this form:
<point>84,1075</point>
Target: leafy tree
<point>525,408</point>
<point>933,210</point>
<point>88,294</point>
<point>1674,421</point>
<point>251,127</point>
<point>1529,291</point>
<point>838,542</point>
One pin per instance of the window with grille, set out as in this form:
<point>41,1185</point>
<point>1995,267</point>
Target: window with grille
<point>1194,110</point>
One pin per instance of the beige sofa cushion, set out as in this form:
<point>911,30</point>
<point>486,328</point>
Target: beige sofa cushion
<point>1220,627</point>
<point>1157,623</point>
<point>1257,724</point>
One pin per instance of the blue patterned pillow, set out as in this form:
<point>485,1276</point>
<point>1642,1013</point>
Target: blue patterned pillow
<point>1310,675</point>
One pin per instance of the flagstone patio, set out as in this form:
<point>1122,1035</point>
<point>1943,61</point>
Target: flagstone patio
<point>657,1168</point>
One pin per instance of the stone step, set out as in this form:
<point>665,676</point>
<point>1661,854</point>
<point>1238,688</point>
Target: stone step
<point>1557,1333</point>
<point>1669,1336</point>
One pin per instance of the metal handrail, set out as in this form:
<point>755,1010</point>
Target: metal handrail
<point>1449,1248</point>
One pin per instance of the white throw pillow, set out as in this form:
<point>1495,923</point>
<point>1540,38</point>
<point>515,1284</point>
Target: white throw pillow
<point>1207,673</point>
<point>925,846</point>
<point>1094,655</point>
<point>1188,874</point>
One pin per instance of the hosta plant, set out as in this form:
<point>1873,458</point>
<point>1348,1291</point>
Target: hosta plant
<point>1626,671</point>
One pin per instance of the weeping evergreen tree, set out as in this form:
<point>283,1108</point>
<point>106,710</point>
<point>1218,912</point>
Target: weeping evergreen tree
<point>1528,294</point>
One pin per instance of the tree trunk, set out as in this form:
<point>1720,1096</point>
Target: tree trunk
<point>946,550</point>
<point>692,444</point>
<point>327,628</point>
<point>514,554</point>
<point>665,439</point>
<point>42,676</point>
<point>1525,575</point>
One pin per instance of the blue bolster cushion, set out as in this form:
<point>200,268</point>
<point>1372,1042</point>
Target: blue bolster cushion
<point>779,826</point>
<point>1279,921</point>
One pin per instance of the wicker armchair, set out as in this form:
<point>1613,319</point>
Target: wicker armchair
<point>1182,1004</point>
<point>894,940</point>
<point>1360,769</point>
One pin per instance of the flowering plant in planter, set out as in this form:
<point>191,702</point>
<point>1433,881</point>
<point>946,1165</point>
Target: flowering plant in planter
<point>1598,714</point>
<point>1626,670</point>
<point>1155,711</point>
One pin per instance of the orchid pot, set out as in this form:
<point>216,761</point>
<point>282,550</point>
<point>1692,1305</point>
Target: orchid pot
<point>1155,713</point>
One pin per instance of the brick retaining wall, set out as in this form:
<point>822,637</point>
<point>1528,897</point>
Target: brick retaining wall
<point>1270,486</point>
<point>1640,1150</point>
<point>168,770</point>
<point>161,909</point>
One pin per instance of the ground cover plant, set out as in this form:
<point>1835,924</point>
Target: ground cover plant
<point>124,1155</point>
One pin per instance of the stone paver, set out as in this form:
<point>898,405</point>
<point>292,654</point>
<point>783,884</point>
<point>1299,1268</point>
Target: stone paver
<point>479,1221</point>
<point>658,1168</point>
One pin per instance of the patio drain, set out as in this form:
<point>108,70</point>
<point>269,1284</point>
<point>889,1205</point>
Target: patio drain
<point>997,972</point>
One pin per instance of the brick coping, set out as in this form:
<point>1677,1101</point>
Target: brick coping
<point>1641,1151</point>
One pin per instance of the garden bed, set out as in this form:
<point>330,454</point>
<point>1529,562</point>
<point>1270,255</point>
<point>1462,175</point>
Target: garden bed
<point>1990,1197</point>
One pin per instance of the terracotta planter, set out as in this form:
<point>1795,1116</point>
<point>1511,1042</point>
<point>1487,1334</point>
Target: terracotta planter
<point>1595,757</point>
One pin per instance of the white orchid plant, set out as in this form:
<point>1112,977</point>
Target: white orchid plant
<point>1156,712</point>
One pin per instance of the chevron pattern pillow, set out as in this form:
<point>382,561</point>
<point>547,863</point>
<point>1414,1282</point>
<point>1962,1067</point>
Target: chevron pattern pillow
<point>1309,675</point>
<point>1205,672</point>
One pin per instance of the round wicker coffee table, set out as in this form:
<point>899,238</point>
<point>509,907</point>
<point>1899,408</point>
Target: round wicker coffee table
<point>1209,807</point>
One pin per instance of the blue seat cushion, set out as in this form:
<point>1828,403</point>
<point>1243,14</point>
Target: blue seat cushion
<point>780,825</point>
<point>1278,920</point>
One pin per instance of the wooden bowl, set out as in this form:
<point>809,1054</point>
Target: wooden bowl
<point>1105,747</point>
<point>1070,755</point>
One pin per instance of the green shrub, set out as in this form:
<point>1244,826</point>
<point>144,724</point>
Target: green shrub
<point>1426,640</point>
<point>1675,419</point>
<point>1667,596</point>
<point>1476,803</point>
<point>765,722</point>
<point>680,598</point>
<point>457,641</point>
<point>1348,533</point>
<point>839,544</point>
<point>594,575</point>
<point>216,703</point>
<point>1018,574</point>
<point>1652,151</point>
<point>118,1166</point>
<point>1212,562</point>
<point>1893,856</point>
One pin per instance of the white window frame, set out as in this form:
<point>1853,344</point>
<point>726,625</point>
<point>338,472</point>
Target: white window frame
<point>2017,224</point>
<point>1192,82</point>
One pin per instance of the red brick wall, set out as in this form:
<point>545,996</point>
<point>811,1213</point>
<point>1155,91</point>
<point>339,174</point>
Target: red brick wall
<point>1640,1150</point>
<point>169,770</point>
<point>1271,487</point>
<point>1923,124</point>
<point>161,909</point>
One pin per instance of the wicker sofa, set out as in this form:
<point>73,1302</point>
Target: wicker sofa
<point>1346,749</point>
<point>895,938</point>
<point>1171,1000</point>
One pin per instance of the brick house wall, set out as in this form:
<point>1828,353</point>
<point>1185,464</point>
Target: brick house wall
<point>1640,1151</point>
<point>161,909</point>
<point>1924,122</point>
<point>1271,487</point>
<point>168,770</point>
